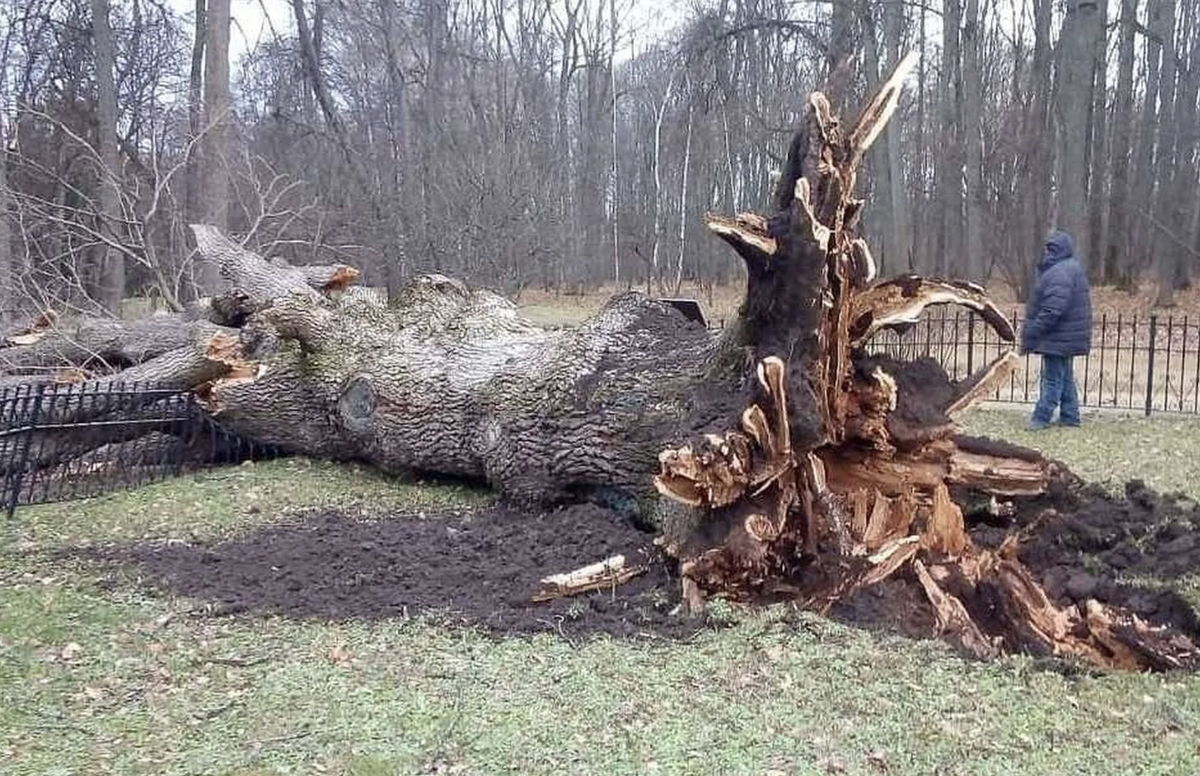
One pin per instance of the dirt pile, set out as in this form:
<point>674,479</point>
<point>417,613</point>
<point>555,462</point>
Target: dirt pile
<point>1087,544</point>
<point>480,570</point>
<point>477,570</point>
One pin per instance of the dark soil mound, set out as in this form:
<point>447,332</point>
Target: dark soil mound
<point>1083,543</point>
<point>478,570</point>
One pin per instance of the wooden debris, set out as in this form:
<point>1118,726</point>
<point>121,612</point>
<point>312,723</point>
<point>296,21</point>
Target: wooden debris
<point>953,619</point>
<point>596,576</point>
<point>866,496</point>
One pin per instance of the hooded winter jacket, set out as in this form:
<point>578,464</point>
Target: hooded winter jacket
<point>1059,313</point>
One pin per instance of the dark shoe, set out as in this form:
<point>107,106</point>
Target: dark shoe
<point>1069,423</point>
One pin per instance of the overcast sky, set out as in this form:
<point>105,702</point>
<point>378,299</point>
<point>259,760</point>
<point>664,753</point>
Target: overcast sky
<point>257,21</point>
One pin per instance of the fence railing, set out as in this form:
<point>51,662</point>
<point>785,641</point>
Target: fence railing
<point>1145,364</point>
<point>66,441</point>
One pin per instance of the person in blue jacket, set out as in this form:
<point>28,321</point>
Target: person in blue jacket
<point>1058,326</point>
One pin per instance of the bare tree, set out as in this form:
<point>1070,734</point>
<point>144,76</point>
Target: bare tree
<point>950,160</point>
<point>1165,242</point>
<point>1098,152</point>
<point>974,265</point>
<point>1074,98</point>
<point>7,265</point>
<point>111,264</point>
<point>194,182</point>
<point>218,108</point>
<point>1117,264</point>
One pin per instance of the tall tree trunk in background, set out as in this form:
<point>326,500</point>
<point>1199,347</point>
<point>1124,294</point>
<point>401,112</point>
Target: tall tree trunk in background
<point>568,33</point>
<point>1038,140</point>
<point>879,174</point>
<point>660,203</point>
<point>8,269</point>
<point>1145,167</point>
<point>901,216</point>
<point>616,176</point>
<point>927,223</point>
<point>589,183</point>
<point>1183,181</point>
<point>1098,175</point>
<point>839,53</point>
<point>686,167</point>
<point>399,140</point>
<point>974,266</point>
<point>1166,242</point>
<point>194,181</point>
<point>1074,102</point>
<point>111,262</point>
<point>217,108</point>
<point>1184,174</point>
<point>950,162</point>
<point>1116,250</point>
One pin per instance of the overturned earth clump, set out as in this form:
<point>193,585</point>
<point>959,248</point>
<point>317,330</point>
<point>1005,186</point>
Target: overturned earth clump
<point>778,460</point>
<point>481,570</point>
<point>485,569</point>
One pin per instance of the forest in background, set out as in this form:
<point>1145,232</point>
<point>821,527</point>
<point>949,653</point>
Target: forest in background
<point>565,144</point>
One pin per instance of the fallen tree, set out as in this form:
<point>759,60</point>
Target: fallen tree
<point>779,460</point>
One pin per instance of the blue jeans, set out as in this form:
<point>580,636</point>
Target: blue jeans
<point>1058,391</point>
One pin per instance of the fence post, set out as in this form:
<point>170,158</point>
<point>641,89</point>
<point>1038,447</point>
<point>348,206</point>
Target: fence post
<point>970,342</point>
<point>1150,366</point>
<point>20,460</point>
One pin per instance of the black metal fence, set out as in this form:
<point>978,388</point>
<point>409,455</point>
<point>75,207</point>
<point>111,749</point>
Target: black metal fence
<point>1145,364</point>
<point>68,441</point>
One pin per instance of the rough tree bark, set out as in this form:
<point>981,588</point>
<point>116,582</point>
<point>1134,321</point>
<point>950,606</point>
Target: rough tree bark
<point>1074,99</point>
<point>8,274</point>
<point>1116,251</point>
<point>217,136</point>
<point>110,262</point>
<point>778,459</point>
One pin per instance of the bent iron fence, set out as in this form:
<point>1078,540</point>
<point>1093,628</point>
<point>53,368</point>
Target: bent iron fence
<point>66,441</point>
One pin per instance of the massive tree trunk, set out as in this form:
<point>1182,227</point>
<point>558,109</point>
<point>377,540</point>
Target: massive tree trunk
<point>780,458</point>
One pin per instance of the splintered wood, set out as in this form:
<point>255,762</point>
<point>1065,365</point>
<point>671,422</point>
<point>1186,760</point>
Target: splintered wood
<point>596,576</point>
<point>866,497</point>
<point>791,529</point>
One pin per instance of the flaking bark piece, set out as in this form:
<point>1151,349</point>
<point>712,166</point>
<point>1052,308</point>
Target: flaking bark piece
<point>747,234</point>
<point>901,301</point>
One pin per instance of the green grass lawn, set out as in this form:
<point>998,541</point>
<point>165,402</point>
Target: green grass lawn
<point>96,679</point>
